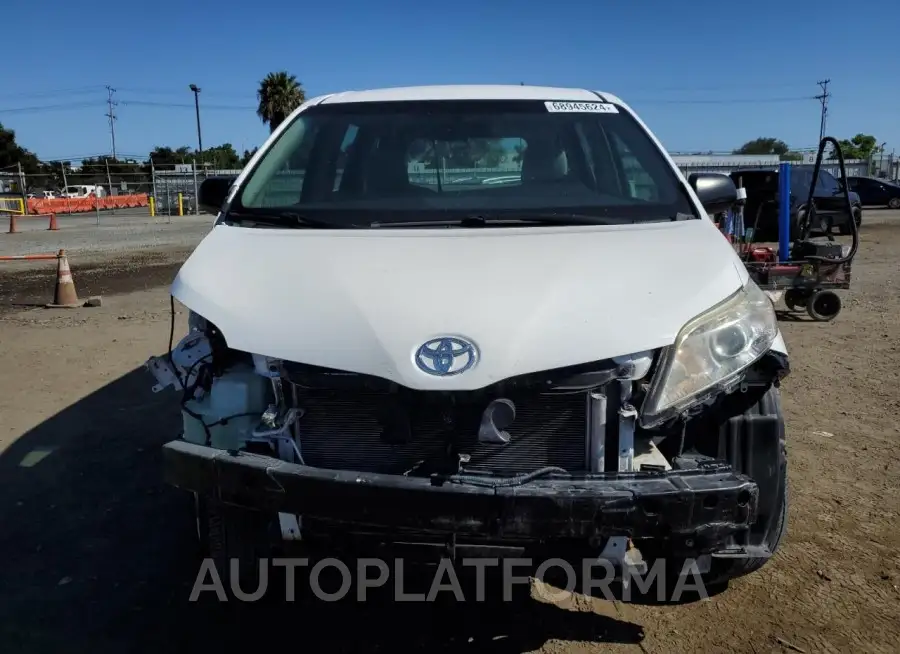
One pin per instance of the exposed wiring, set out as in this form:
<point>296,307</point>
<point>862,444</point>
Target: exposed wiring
<point>189,392</point>
<point>172,340</point>
<point>182,381</point>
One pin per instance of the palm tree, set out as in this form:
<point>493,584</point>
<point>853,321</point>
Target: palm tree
<point>279,94</point>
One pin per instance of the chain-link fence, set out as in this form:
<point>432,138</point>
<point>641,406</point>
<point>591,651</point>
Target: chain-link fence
<point>173,188</point>
<point>181,183</point>
<point>885,166</point>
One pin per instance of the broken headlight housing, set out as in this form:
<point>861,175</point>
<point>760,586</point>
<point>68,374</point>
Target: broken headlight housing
<point>710,353</point>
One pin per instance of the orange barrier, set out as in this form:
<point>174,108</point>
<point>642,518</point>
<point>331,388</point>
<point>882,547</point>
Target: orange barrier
<point>14,218</point>
<point>28,257</point>
<point>80,205</point>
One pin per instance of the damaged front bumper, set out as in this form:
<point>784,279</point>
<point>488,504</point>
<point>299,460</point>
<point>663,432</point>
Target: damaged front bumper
<point>695,511</point>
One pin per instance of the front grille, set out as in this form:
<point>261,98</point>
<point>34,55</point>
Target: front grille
<point>344,430</point>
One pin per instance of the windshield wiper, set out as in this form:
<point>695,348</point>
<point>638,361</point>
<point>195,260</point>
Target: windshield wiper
<point>289,219</point>
<point>510,219</point>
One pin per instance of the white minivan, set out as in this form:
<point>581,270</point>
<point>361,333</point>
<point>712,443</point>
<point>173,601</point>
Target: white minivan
<point>573,363</point>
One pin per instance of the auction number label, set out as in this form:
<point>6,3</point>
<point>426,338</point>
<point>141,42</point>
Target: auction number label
<point>581,107</point>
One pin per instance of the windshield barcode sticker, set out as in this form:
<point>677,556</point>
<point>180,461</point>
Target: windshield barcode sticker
<point>581,107</point>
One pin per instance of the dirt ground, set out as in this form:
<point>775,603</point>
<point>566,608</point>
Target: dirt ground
<point>98,554</point>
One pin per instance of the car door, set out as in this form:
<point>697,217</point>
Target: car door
<point>870,192</point>
<point>891,193</point>
<point>885,192</point>
<point>829,193</point>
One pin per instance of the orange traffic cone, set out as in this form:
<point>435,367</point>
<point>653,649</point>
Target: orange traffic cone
<point>65,295</point>
<point>54,227</point>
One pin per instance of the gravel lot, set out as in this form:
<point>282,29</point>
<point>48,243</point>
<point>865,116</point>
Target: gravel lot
<point>125,231</point>
<point>99,556</point>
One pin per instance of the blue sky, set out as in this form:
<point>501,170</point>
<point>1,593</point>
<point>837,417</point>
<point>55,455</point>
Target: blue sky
<point>704,75</point>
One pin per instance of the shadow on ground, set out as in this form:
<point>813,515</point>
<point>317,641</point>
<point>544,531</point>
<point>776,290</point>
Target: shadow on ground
<point>99,556</point>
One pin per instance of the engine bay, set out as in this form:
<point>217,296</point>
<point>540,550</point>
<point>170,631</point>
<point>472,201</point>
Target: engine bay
<point>579,420</point>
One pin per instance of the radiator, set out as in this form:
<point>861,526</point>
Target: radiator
<point>344,430</point>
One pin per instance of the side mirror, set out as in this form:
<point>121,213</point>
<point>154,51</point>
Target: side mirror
<point>717,192</point>
<point>213,192</point>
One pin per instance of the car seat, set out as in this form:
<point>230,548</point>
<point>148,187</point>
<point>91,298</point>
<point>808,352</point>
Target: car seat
<point>544,161</point>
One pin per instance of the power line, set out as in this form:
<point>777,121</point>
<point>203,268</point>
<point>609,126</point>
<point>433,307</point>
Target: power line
<point>715,88</point>
<point>823,97</point>
<point>185,105</point>
<point>805,98</point>
<point>177,94</point>
<point>49,107</point>
<point>111,114</point>
<point>80,90</point>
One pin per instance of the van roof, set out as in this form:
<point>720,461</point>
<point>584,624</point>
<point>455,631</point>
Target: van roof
<point>471,92</point>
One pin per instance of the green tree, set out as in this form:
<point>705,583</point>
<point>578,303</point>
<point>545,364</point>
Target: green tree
<point>222,157</point>
<point>248,154</point>
<point>763,145</point>
<point>861,146</point>
<point>279,94</point>
<point>105,170</point>
<point>12,154</point>
<point>166,156</point>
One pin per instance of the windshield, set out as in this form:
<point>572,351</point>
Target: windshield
<point>359,163</point>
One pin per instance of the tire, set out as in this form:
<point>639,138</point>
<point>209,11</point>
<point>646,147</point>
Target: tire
<point>894,203</point>
<point>792,300</point>
<point>232,533</point>
<point>824,305</point>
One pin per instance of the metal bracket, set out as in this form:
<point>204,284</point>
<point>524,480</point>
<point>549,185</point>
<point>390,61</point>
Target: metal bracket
<point>276,430</point>
<point>596,441</point>
<point>627,420</point>
<point>190,349</point>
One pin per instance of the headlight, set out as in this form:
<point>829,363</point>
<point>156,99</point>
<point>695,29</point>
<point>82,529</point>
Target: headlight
<point>710,352</point>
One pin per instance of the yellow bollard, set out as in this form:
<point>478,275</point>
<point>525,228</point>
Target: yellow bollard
<point>180,204</point>
<point>152,206</point>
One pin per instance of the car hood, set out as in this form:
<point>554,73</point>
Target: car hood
<point>529,299</point>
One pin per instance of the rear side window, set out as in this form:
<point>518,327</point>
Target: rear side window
<point>827,184</point>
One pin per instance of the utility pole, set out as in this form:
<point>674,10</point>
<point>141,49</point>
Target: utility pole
<point>823,98</point>
<point>112,118</point>
<point>196,90</point>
